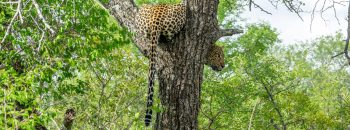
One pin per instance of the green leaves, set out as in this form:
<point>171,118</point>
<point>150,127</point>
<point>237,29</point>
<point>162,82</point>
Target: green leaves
<point>44,68</point>
<point>298,85</point>
<point>258,39</point>
<point>89,65</point>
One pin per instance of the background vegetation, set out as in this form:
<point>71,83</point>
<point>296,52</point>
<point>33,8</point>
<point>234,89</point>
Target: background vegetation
<point>88,63</point>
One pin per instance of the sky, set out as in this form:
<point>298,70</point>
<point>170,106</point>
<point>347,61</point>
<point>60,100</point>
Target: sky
<point>291,28</point>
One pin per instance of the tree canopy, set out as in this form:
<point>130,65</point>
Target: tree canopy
<point>60,55</point>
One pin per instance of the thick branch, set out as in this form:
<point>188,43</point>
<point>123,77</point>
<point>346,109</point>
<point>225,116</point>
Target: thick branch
<point>228,32</point>
<point>124,11</point>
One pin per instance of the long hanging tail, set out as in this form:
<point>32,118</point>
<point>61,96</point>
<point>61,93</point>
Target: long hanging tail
<point>152,71</point>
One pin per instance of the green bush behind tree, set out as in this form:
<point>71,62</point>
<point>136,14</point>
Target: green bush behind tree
<point>88,64</point>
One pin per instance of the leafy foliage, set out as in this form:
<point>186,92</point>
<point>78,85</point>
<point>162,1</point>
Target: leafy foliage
<point>267,85</point>
<point>42,67</point>
<point>89,65</point>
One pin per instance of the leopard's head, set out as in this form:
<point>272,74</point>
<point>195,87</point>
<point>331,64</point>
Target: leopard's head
<point>215,57</point>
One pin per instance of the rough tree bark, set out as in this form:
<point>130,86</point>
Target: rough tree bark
<point>180,63</point>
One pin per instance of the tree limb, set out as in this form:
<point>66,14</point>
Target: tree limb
<point>228,32</point>
<point>124,11</point>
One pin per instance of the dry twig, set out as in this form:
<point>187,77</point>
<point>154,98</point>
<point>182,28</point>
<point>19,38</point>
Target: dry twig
<point>251,2</point>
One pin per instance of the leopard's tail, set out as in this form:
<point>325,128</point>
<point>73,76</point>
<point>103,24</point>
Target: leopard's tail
<point>151,77</point>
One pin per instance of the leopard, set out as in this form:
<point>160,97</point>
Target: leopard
<point>215,57</point>
<point>154,21</point>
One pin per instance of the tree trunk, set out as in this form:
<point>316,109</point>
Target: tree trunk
<point>179,63</point>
